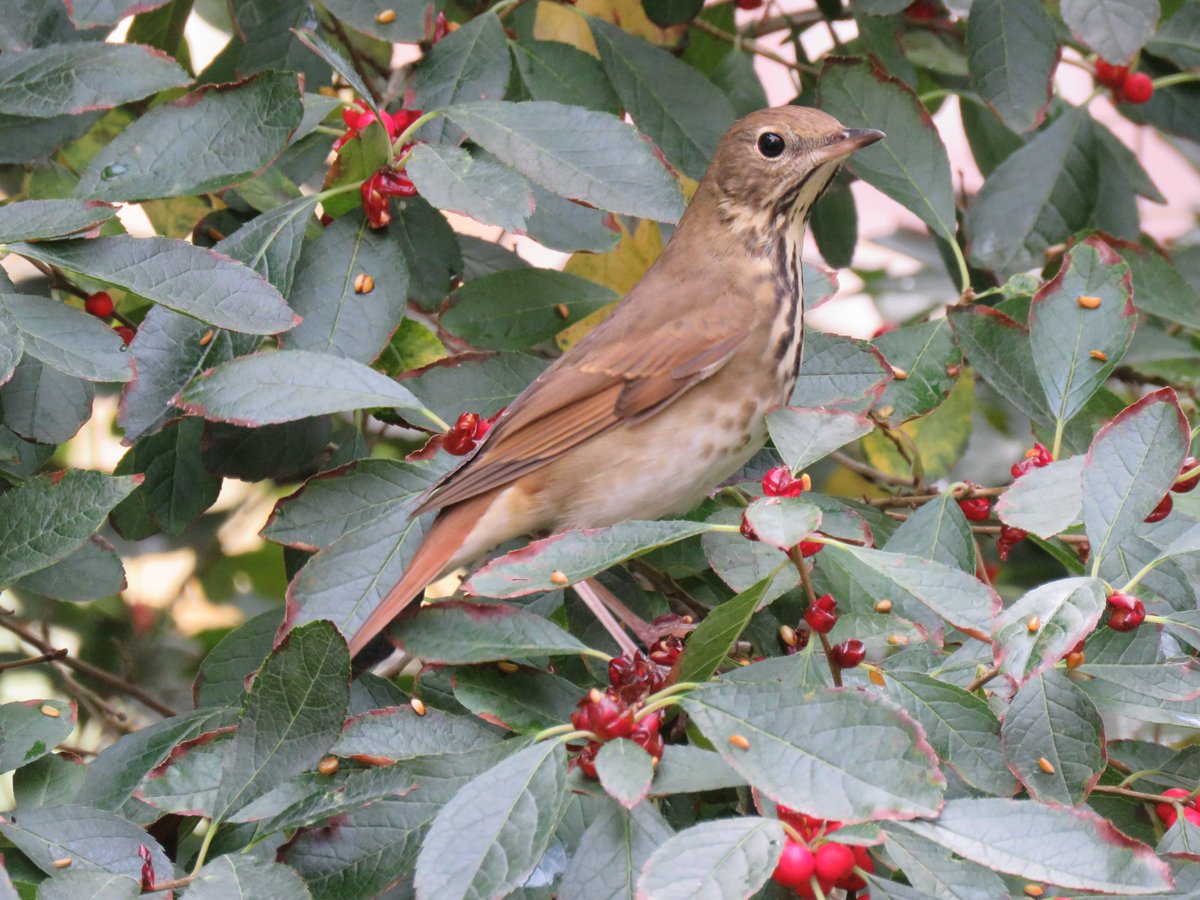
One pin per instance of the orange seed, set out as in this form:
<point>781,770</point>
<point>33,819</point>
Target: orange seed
<point>563,311</point>
<point>737,740</point>
<point>418,706</point>
<point>787,634</point>
<point>1033,624</point>
<point>206,338</point>
<point>1089,302</point>
<point>559,578</point>
<point>1098,354</point>
<point>1045,765</point>
<point>51,711</point>
<point>385,16</point>
<point>883,606</point>
<point>328,766</point>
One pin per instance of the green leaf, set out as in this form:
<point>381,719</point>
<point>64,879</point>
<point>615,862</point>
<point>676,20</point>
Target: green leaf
<point>1047,500</point>
<point>27,733</point>
<point>937,531</point>
<point>487,840</point>
<point>782,522</point>
<point>576,554</point>
<point>44,405</point>
<point>337,319</point>
<point>67,79</point>
<point>562,224</point>
<point>236,875</point>
<point>68,338</point>
<point>451,179</point>
<point>410,25</point>
<point>222,676</point>
<point>1039,196</point>
<point>1160,288</point>
<point>1115,29</point>
<point>36,220</point>
<point>1178,38</point>
<point>85,885</point>
<point>523,701</point>
<point>292,715</point>
<point>89,13</point>
<point>188,781</point>
<point>715,635</point>
<point>839,371</point>
<point>911,165</point>
<point>48,517</point>
<point>834,224</point>
<point>454,632</point>
<point>1073,849</point>
<point>1131,465</point>
<point>681,110</point>
<point>52,780</point>
<point>1066,612</point>
<point>92,838</point>
<point>270,243</point>
<point>685,769</point>
<point>927,355</point>
<point>741,564</point>
<point>804,436</point>
<point>282,386</point>
<point>1013,49</point>
<point>517,309</point>
<point>188,279</point>
<point>564,74</point>
<point>795,759</point>
<point>341,65</point>
<point>724,858</point>
<point>580,154</point>
<point>625,771</point>
<point>612,852</point>
<point>177,488</point>
<point>1063,334</point>
<point>242,128</point>
<point>469,64</point>
<point>482,383</point>
<point>1053,720</point>
<point>960,726</point>
<point>935,872</point>
<point>396,733</point>
<point>1162,693</point>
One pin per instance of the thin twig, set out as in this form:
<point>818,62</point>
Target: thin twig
<point>750,46</point>
<point>868,472</point>
<point>983,679</point>
<point>33,660</point>
<point>921,499</point>
<point>169,885</point>
<point>787,22</point>
<point>1126,792</point>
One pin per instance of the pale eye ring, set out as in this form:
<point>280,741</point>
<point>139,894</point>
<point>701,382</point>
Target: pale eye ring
<point>770,144</point>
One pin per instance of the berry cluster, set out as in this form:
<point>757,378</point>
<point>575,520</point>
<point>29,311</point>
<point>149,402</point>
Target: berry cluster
<point>610,714</point>
<point>386,182</point>
<point>462,438</point>
<point>1125,612</point>
<point>357,120</point>
<point>1035,457</point>
<point>1166,504</point>
<point>1167,811</point>
<point>1132,87</point>
<point>816,859</point>
<point>779,482</point>
<point>100,305</point>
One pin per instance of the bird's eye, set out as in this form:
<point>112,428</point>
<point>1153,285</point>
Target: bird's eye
<point>770,144</point>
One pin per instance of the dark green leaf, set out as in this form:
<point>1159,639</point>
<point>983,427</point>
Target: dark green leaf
<point>469,64</point>
<point>740,563</point>
<point>524,701</point>
<point>45,405</point>
<point>455,633</point>
<point>1115,29</point>
<point>564,74</point>
<point>222,676</point>
<point>92,838</point>
<point>474,382</point>
<point>562,224</point>
<point>242,128</point>
<point>33,220</point>
<point>270,243</point>
<point>612,853</point>
<point>187,783</point>
<point>412,23</point>
<point>625,771</point>
<point>782,522</point>
<point>177,488</point>
<point>85,885</point>
<point>839,371</point>
<point>834,224</point>
<point>91,572</point>
<point>715,635</point>
<point>397,733</point>
<point>50,781</point>
<point>937,531</point>
<point>1159,287</point>
<point>927,355</point>
<point>1178,39</point>
<point>685,769</point>
<point>452,180</point>
<point>177,275</point>
<point>27,733</point>
<point>68,339</point>
<point>1013,51</point>
<point>805,435</point>
<point>67,79</point>
<point>236,875</point>
<point>935,872</point>
<point>726,858</point>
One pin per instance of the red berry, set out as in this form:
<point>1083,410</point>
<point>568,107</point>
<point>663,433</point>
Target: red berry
<point>1125,612</point>
<point>1035,458</point>
<point>460,439</point>
<point>778,482</point>
<point>1109,75</point>
<point>1161,511</point>
<point>631,680</point>
<point>378,188</point>
<point>833,862</point>
<point>586,759</point>
<point>99,304</point>
<point>747,529</point>
<point>666,650</point>
<point>126,333</point>
<point>922,10</point>
<point>1137,87</point>
<point>749,4</point>
<point>1010,536</point>
<point>646,734</point>
<point>821,616</point>
<point>810,548</point>
<point>976,509</point>
<point>862,859</point>
<point>848,654</point>
<point>796,866</point>
<point>1166,811</point>
<point>603,715</point>
<point>1182,487</point>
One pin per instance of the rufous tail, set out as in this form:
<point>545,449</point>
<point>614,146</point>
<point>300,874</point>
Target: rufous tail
<point>435,554</point>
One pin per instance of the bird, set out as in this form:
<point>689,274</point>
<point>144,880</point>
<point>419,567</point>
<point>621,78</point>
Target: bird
<point>664,399</point>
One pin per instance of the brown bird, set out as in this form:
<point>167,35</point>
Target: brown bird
<point>664,399</point>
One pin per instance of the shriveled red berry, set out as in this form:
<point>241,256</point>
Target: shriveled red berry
<point>646,734</point>
<point>747,529</point>
<point>821,616</point>
<point>1035,458</point>
<point>460,439</point>
<point>1125,612</point>
<point>976,509</point>
<point>749,4</point>
<point>632,679</point>
<point>796,866</point>
<point>1161,511</point>
<point>1010,536</point>
<point>603,715</point>
<point>1188,484</point>
<point>99,304</point>
<point>848,654</point>
<point>833,862</point>
<point>1109,75</point>
<point>779,482</point>
<point>127,334</point>
<point>1166,811</point>
<point>810,548</point>
<point>922,10</point>
<point>586,759</point>
<point>1137,87</point>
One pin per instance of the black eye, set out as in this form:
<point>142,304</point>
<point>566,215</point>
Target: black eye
<point>770,144</point>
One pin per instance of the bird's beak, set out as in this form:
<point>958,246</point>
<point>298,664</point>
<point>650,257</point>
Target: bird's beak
<point>847,142</point>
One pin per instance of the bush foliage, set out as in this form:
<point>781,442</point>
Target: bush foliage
<point>300,318</point>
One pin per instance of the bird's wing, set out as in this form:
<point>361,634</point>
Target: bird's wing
<point>622,370</point>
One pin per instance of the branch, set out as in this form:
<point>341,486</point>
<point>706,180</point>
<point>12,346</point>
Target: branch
<point>33,660</point>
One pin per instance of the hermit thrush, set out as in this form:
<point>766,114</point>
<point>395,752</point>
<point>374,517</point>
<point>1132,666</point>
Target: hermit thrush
<point>665,398</point>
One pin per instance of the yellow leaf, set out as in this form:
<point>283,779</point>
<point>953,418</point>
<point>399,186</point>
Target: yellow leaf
<point>938,438</point>
<point>555,22</point>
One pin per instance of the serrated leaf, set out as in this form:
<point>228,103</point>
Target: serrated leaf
<point>839,371</point>
<point>517,309</point>
<point>92,838</point>
<point>524,701</point>
<point>576,554</point>
<point>926,354</point>
<point>1053,720</point>
<point>577,153</point>
<point>490,836</point>
<point>482,383</point>
<point>1026,839</point>
<point>282,386</point>
<point>1066,612</point>
<point>795,760</point>
<point>469,64</point>
<point>223,673</point>
<point>188,279</point>
<point>1012,50</point>
<point>398,733</point>
<point>960,726</point>
<point>242,127</point>
<point>188,781</point>
<point>561,73</point>
<point>1047,500</point>
<point>34,220</point>
<point>68,338</point>
<point>292,715</point>
<point>236,875</point>
<point>804,436</point>
<point>911,165</point>
<point>452,180</point>
<point>782,522</point>
<point>681,110</point>
<point>565,225</point>
<point>337,319</point>
<point>720,860</point>
<point>27,733</point>
<point>625,771</point>
<point>937,531</point>
<point>455,633</point>
<point>935,872</point>
<point>1115,29</point>
<point>270,243</point>
<point>67,79</point>
<point>1130,466</point>
<point>47,518</point>
<point>715,635</point>
<point>612,852</point>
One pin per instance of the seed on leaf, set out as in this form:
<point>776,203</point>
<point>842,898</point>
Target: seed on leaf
<point>1088,302</point>
<point>563,311</point>
<point>50,711</point>
<point>883,606</point>
<point>1034,890</point>
<point>328,766</point>
<point>507,667</point>
<point>385,16</point>
<point>897,640</point>
<point>63,863</point>
<point>363,283</point>
<point>206,338</point>
<point>737,740</point>
<point>899,374</point>
<point>1033,624</point>
<point>559,578</point>
<point>1045,765</point>
<point>418,706</point>
<point>1075,659</point>
<point>876,677</point>
<point>787,634</point>
<point>1098,354</point>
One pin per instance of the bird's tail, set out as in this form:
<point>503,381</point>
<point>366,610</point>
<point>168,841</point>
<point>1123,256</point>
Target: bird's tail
<point>436,553</point>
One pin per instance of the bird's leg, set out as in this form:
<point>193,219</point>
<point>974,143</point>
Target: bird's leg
<point>592,593</point>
